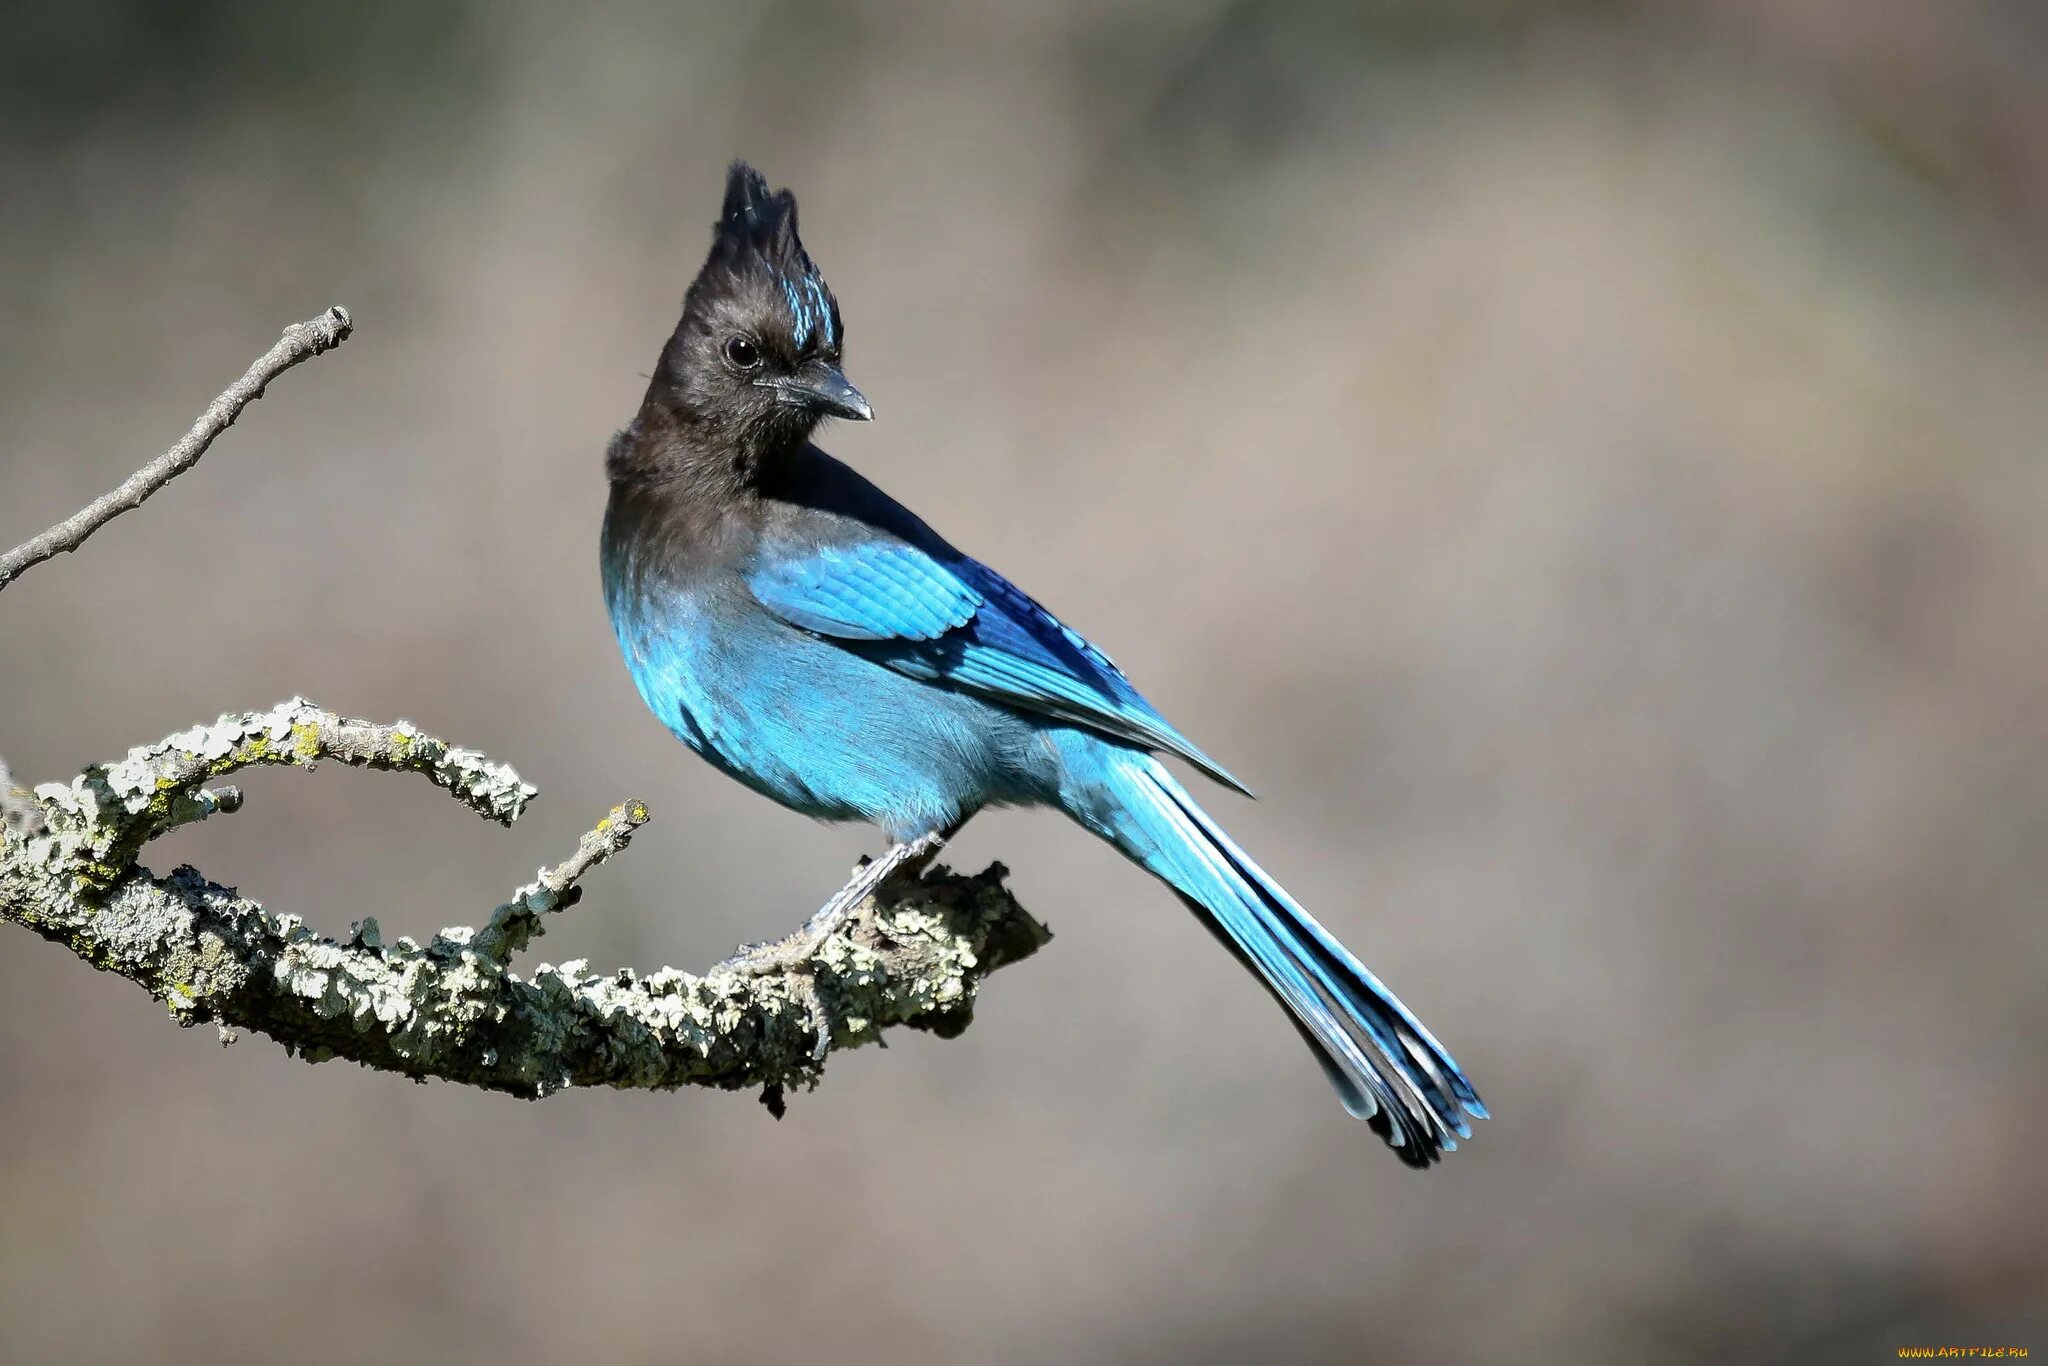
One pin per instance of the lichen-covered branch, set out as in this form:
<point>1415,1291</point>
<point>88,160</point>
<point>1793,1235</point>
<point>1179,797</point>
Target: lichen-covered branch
<point>452,1008</point>
<point>301,341</point>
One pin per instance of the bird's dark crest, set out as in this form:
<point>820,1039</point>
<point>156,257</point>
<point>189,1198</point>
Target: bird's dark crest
<point>762,220</point>
<point>746,191</point>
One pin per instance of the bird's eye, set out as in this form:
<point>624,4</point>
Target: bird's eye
<point>743,354</point>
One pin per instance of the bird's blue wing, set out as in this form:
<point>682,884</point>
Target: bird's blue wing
<point>961,624</point>
<point>871,590</point>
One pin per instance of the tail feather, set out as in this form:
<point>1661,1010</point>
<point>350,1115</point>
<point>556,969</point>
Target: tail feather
<point>1387,1068</point>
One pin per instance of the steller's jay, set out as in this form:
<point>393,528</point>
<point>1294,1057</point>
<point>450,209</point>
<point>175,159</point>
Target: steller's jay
<point>809,636</point>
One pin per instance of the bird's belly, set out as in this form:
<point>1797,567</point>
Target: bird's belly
<point>830,734</point>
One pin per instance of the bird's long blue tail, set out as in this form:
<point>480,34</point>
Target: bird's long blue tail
<point>1387,1068</point>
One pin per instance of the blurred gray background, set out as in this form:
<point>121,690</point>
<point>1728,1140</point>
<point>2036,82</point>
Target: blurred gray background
<point>1582,464</point>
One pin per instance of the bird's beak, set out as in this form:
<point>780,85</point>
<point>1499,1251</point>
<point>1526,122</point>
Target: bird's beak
<point>824,390</point>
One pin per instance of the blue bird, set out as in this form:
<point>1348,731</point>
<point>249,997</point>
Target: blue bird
<point>810,637</point>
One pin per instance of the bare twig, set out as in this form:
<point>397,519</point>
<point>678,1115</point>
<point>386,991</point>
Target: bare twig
<point>301,341</point>
<point>452,1008</point>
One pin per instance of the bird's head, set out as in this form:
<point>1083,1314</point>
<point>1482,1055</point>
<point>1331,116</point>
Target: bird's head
<point>755,358</point>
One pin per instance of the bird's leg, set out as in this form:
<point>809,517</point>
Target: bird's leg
<point>795,951</point>
<point>865,880</point>
<point>778,954</point>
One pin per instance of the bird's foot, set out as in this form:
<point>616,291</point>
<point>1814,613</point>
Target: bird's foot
<point>866,880</point>
<point>791,954</point>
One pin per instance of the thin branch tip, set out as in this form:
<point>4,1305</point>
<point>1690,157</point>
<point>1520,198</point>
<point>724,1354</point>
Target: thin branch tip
<point>516,923</point>
<point>300,342</point>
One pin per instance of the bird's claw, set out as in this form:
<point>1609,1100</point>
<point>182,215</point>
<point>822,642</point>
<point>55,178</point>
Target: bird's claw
<point>794,954</point>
